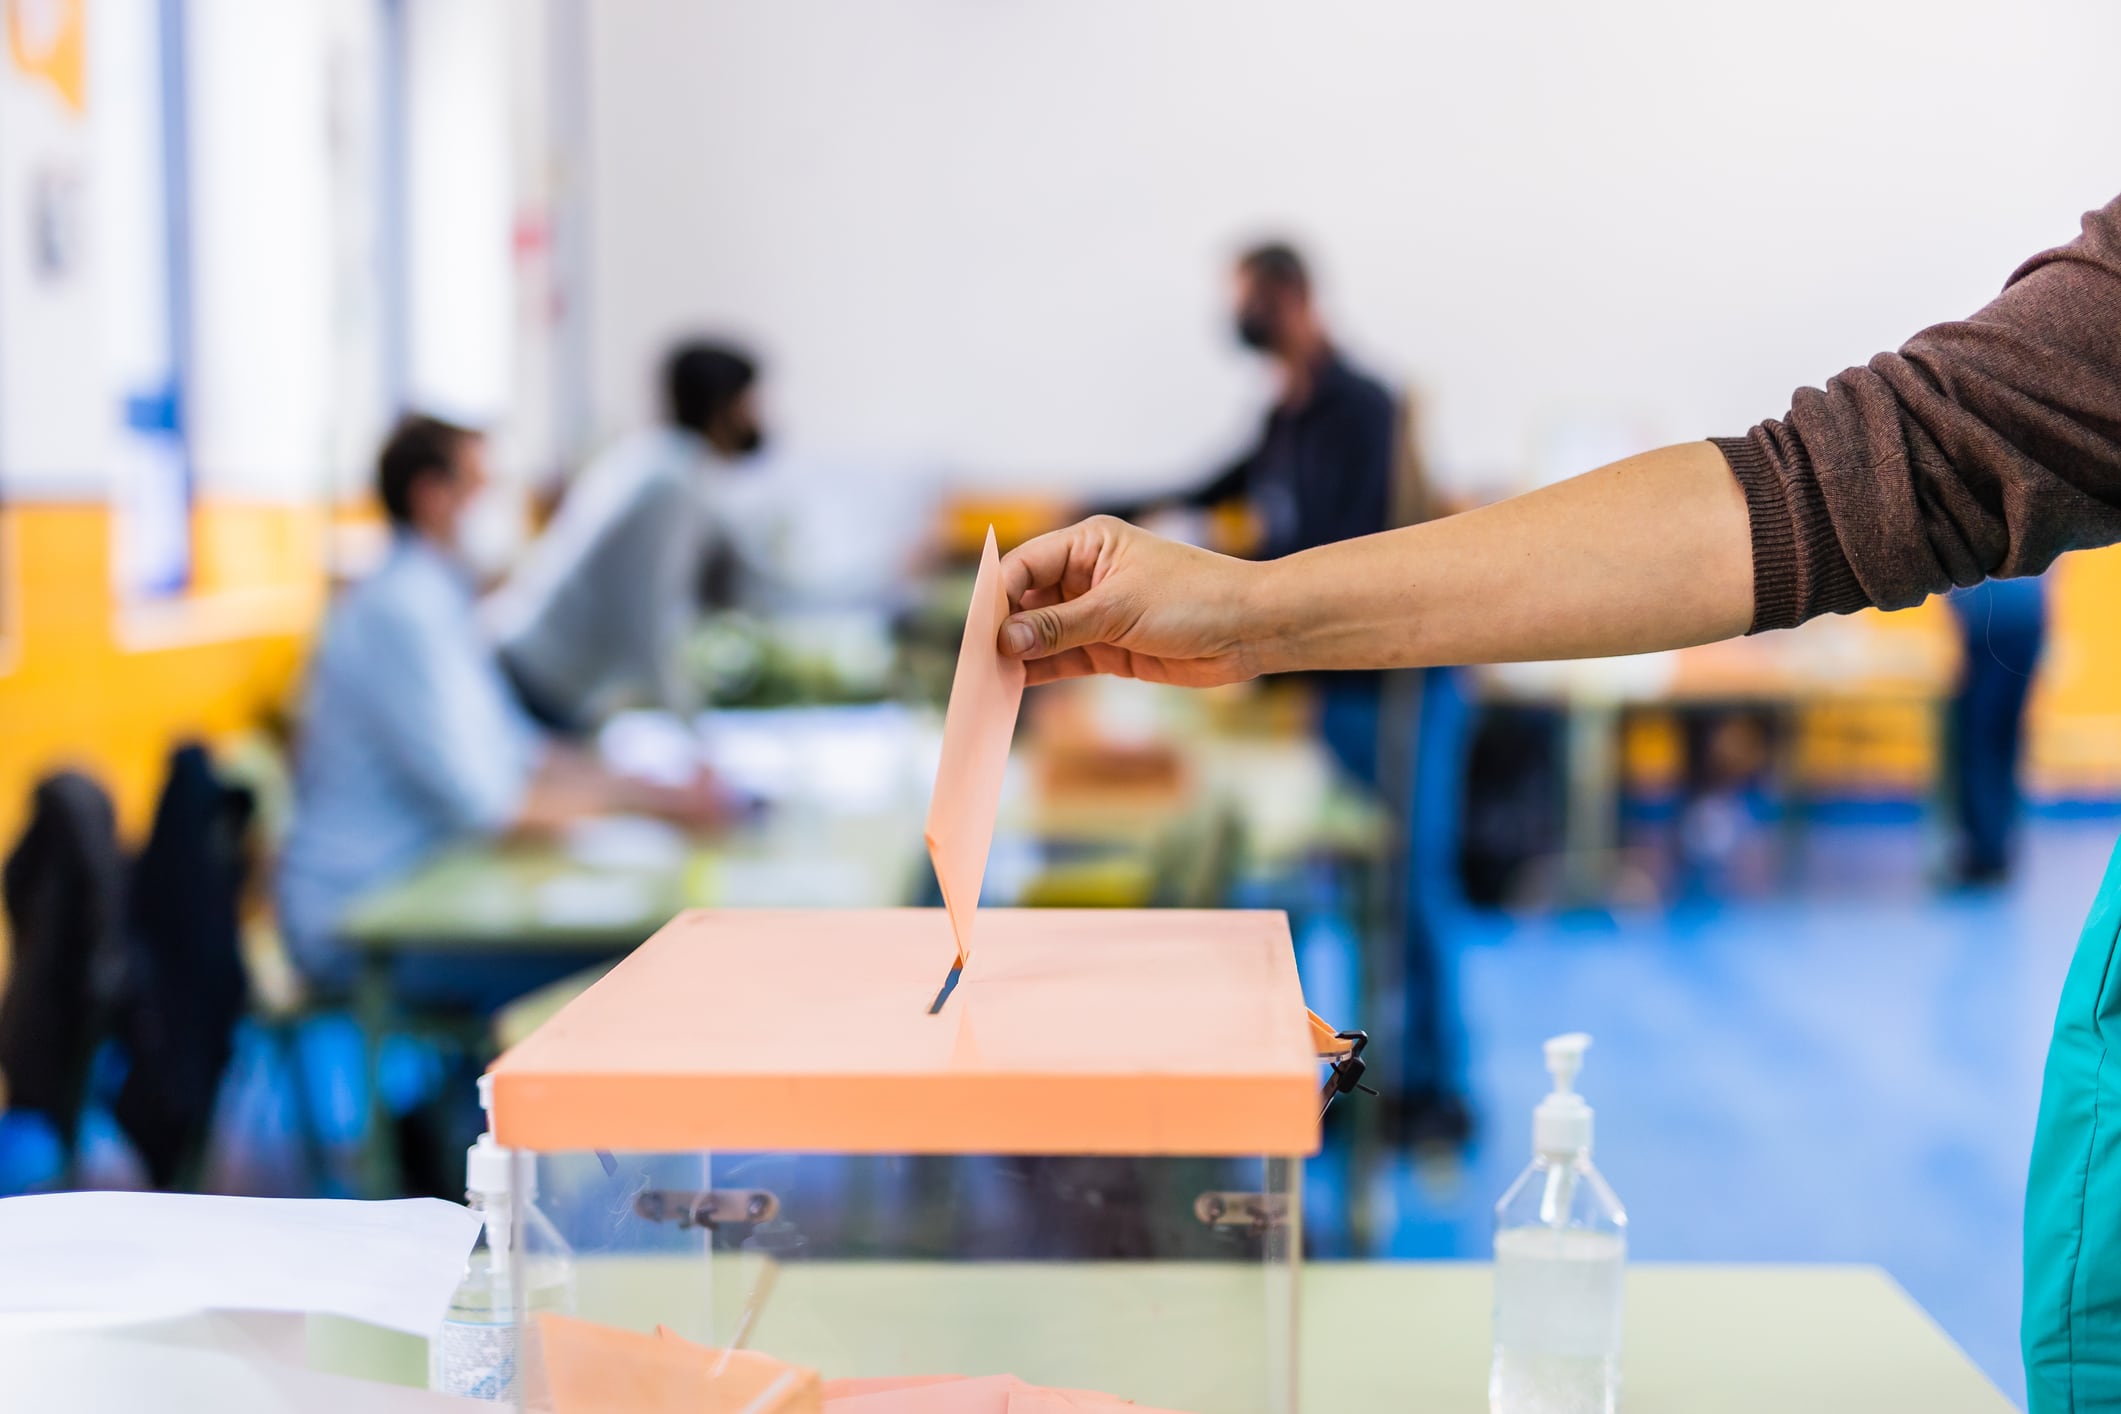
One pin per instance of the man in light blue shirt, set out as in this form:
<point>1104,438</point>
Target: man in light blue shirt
<point>411,738</point>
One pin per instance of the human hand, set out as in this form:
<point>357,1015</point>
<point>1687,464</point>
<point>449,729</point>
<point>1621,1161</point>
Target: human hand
<point>700,804</point>
<point>1104,596</point>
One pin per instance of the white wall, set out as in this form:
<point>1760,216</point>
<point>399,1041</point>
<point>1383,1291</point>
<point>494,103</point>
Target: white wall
<point>458,177</point>
<point>148,485</point>
<point>261,247</point>
<point>287,258</point>
<point>993,234</point>
<point>55,409</point>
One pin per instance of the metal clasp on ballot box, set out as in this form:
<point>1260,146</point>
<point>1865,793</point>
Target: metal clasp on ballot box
<point>1259,1213</point>
<point>1253,1213</point>
<point>710,1209</point>
<point>1342,1052</point>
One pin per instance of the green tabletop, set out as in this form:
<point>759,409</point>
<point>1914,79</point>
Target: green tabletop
<point>527,895</point>
<point>1699,1340</point>
<point>1375,1336</point>
<point>523,896</point>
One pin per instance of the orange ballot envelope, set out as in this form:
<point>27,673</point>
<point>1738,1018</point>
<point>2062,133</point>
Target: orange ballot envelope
<point>988,1395</point>
<point>993,1394</point>
<point>594,1369</point>
<point>984,697</point>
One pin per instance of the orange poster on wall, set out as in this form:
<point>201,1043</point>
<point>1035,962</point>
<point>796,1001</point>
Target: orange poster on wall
<point>46,40</point>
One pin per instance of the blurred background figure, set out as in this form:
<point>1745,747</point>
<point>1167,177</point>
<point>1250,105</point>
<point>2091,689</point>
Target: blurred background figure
<point>2002,633</point>
<point>410,739</point>
<point>1325,467</point>
<point>1321,468</point>
<point>597,615</point>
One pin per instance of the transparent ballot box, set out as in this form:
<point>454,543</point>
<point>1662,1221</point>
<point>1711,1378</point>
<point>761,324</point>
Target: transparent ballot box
<point>780,1177</point>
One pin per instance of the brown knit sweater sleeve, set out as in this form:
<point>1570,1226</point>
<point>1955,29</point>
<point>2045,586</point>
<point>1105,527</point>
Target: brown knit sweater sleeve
<point>1984,448</point>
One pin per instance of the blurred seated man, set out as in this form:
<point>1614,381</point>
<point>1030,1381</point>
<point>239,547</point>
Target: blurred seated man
<point>1321,469</point>
<point>410,739</point>
<point>595,620</point>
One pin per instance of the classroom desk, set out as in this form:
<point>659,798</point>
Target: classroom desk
<point>1293,802</point>
<point>850,786</point>
<point>1910,657</point>
<point>519,897</point>
<point>491,896</point>
<point>1374,1335</point>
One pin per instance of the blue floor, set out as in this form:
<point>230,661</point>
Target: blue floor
<point>1850,1074</point>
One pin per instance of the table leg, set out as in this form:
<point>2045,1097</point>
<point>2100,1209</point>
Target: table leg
<point>379,1172</point>
<point>1796,800</point>
<point>1591,819</point>
<point>1940,803</point>
<point>1375,963</point>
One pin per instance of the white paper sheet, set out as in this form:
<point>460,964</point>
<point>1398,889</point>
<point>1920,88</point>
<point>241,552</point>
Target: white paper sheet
<point>80,1375</point>
<point>391,1264</point>
<point>621,843</point>
<point>592,900</point>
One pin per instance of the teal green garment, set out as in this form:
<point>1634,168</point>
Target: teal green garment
<point>2071,1329</point>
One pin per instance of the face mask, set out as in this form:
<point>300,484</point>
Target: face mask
<point>1255,330</point>
<point>736,439</point>
<point>490,531</point>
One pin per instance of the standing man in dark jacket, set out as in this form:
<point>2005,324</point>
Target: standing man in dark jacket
<point>1322,472</point>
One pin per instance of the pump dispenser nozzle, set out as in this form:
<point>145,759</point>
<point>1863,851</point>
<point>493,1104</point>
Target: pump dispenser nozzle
<point>486,1167</point>
<point>1565,1059</point>
<point>1561,1126</point>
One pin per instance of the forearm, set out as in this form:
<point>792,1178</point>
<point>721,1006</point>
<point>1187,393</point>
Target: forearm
<point>1648,553</point>
<point>566,786</point>
<point>571,785</point>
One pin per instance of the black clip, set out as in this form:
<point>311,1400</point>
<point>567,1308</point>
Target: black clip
<point>1346,1072</point>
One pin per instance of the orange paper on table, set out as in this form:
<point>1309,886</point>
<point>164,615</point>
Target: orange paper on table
<point>1071,1401</point>
<point>993,1394</point>
<point>988,1395</point>
<point>860,1386</point>
<point>984,697</point>
<point>597,1369</point>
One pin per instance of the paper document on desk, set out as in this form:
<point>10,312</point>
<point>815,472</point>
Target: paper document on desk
<point>71,1373</point>
<point>984,698</point>
<point>390,1264</point>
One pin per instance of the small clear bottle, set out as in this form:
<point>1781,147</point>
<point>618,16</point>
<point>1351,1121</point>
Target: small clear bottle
<point>1560,1248</point>
<point>481,1352</point>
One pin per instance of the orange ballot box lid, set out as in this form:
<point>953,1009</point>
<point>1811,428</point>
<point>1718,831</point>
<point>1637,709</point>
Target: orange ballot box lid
<point>1091,1031</point>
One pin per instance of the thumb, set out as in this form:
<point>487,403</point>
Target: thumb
<point>1041,633</point>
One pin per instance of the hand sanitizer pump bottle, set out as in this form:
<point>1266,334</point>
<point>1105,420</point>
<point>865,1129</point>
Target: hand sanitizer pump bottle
<point>1560,1242</point>
<point>481,1351</point>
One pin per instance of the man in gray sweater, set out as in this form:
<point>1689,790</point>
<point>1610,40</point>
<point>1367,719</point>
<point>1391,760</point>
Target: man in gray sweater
<point>595,619</point>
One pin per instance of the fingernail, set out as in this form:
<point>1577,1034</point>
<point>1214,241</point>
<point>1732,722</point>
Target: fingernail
<point>1018,638</point>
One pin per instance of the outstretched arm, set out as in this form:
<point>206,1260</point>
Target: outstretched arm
<point>1651,552</point>
<point>1984,448</point>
